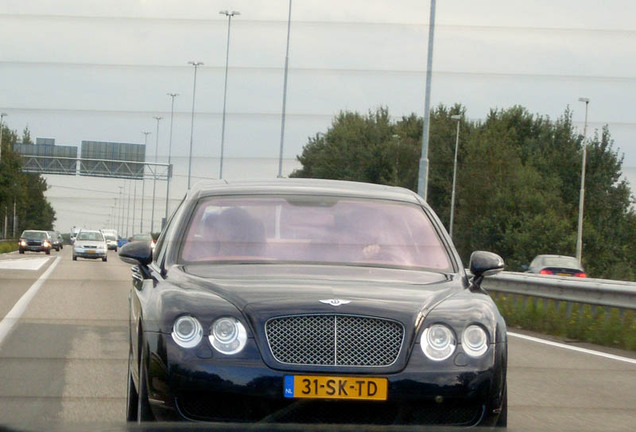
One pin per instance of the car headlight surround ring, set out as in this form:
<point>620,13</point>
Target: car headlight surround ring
<point>187,331</point>
<point>474,341</point>
<point>228,335</point>
<point>438,342</point>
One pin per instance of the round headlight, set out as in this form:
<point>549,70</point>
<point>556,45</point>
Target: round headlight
<point>438,342</point>
<point>187,332</point>
<point>474,341</point>
<point>228,335</point>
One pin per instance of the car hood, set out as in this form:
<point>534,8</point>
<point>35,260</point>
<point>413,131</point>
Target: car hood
<point>82,243</point>
<point>269,290</point>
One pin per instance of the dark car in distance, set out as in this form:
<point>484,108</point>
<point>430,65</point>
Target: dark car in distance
<point>34,241</point>
<point>57,242</point>
<point>312,301</point>
<point>557,265</point>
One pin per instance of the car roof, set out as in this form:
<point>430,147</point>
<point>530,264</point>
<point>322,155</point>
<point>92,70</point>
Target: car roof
<point>304,187</point>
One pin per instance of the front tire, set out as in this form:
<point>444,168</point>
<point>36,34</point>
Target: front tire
<point>48,251</point>
<point>502,421</point>
<point>132,398</point>
<point>74,258</point>
<point>21,251</point>
<point>144,413</point>
<point>104,259</point>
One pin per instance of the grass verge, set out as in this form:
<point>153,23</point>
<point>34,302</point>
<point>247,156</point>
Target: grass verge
<point>603,326</point>
<point>8,246</point>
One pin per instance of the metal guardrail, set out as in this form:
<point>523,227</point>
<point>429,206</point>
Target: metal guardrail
<point>594,292</point>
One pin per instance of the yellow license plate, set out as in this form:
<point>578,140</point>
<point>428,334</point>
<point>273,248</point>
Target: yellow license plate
<point>331,387</point>
<point>90,251</point>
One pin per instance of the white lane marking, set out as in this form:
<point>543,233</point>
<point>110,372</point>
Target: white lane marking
<point>11,319</point>
<point>23,263</point>
<point>574,348</point>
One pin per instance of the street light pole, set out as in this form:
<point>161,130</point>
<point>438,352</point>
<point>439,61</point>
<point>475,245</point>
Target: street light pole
<point>422,182</point>
<point>134,205</point>
<point>579,231</point>
<point>282,122</point>
<point>457,118</point>
<point>154,177</point>
<point>229,15</point>
<point>196,65</point>
<point>172,95</point>
<point>128,212</point>
<point>143,184</point>
<point>120,213</point>
<point>2,116</point>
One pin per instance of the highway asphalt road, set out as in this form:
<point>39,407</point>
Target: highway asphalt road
<point>63,356</point>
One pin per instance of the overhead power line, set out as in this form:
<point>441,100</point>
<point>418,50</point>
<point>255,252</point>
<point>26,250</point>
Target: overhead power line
<point>343,23</point>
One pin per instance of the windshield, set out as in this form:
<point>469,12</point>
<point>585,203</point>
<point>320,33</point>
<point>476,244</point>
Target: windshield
<point>561,261</point>
<point>34,234</point>
<point>96,236</point>
<point>315,230</point>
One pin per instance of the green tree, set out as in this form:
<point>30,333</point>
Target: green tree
<point>26,136</point>
<point>23,191</point>
<point>355,147</point>
<point>518,181</point>
<point>607,216</point>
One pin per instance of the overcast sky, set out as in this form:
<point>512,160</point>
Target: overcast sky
<point>99,70</point>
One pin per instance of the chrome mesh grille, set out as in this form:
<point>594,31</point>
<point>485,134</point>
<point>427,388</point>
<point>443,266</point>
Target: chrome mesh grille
<point>334,340</point>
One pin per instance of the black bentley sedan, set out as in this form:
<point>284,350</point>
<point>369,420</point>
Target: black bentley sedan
<point>312,301</point>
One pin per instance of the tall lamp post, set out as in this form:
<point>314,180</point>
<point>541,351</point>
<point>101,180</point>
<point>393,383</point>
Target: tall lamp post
<point>2,116</point>
<point>6,210</point>
<point>282,122</point>
<point>229,15</point>
<point>143,185</point>
<point>422,181</point>
<point>120,215</point>
<point>457,118</point>
<point>579,231</point>
<point>172,96</point>
<point>154,177</point>
<point>196,65</point>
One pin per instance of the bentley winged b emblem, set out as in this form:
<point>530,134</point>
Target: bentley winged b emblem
<point>335,302</point>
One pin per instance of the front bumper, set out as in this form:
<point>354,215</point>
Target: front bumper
<point>86,254</point>
<point>35,248</point>
<point>201,385</point>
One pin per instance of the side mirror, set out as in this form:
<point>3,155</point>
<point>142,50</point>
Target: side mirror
<point>138,253</point>
<point>483,264</point>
